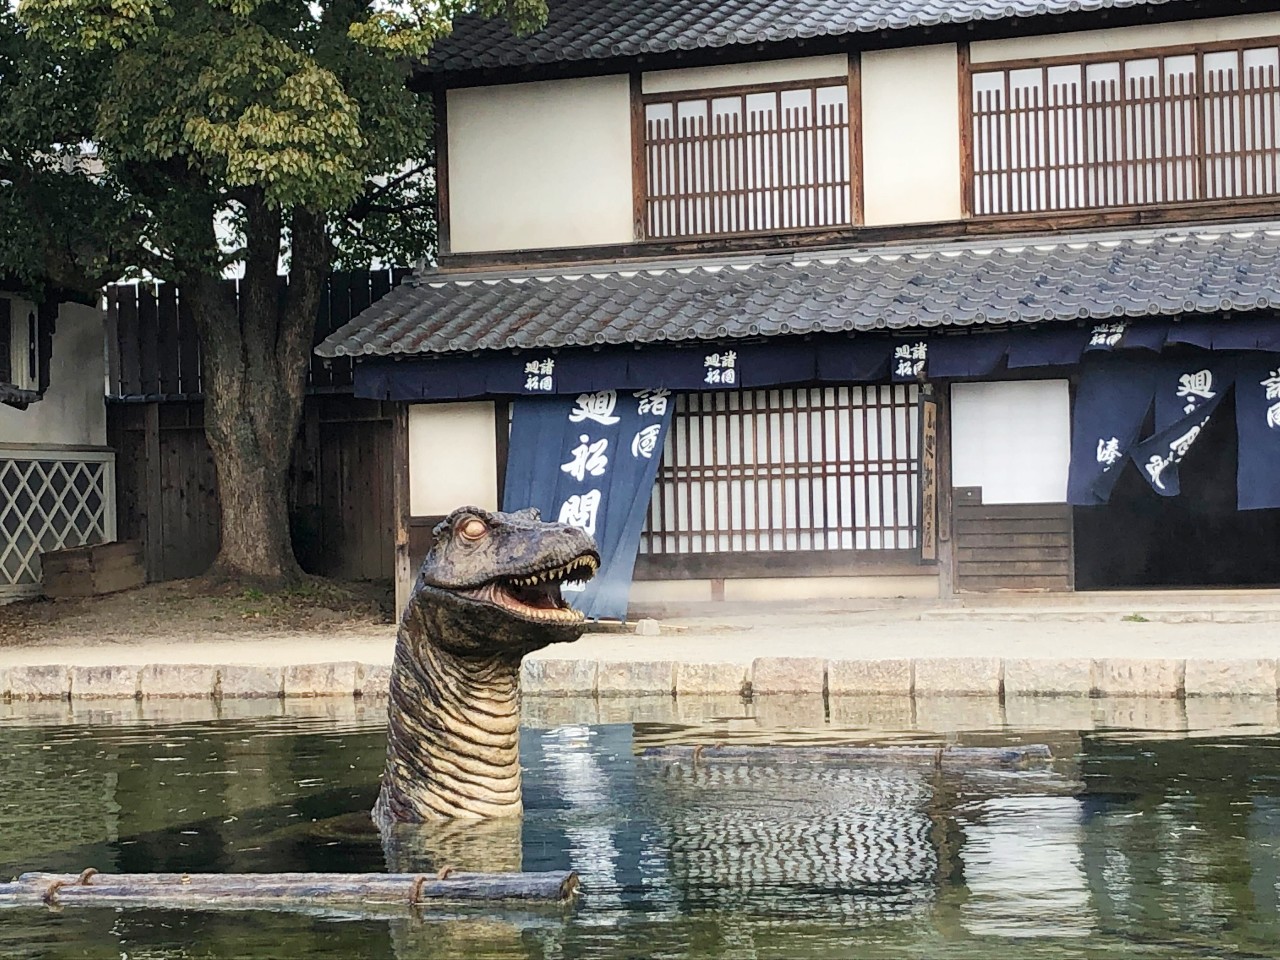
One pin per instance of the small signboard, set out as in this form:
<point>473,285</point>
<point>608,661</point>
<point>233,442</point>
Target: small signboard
<point>928,478</point>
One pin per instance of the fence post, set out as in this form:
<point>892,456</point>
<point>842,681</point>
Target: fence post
<point>153,529</point>
<point>403,563</point>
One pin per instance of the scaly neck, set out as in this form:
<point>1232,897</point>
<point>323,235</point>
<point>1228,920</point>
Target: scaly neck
<point>453,741</point>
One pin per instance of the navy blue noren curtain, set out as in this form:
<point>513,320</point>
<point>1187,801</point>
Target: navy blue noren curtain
<point>591,461</point>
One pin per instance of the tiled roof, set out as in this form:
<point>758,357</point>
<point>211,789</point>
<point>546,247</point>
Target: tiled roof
<point>1093,277</point>
<point>603,29</point>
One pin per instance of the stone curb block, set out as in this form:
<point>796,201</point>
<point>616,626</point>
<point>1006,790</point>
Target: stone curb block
<point>105,682</point>
<point>1125,677</point>
<point>43,682</point>
<point>558,678</point>
<point>375,680</point>
<point>696,679</point>
<point>958,676</point>
<point>788,675</point>
<point>1216,678</point>
<point>1048,677</point>
<point>169,680</point>
<point>620,678</point>
<point>336,679</point>
<point>869,677</point>
<point>248,680</point>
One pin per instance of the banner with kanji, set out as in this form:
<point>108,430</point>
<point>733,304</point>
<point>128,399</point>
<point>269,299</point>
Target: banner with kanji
<point>590,461</point>
<point>1187,393</point>
<point>1112,402</point>
<point>1258,429</point>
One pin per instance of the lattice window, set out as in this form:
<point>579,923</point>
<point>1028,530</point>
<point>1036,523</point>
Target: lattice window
<point>822,468</point>
<point>48,501</point>
<point>748,160</point>
<point>1160,127</point>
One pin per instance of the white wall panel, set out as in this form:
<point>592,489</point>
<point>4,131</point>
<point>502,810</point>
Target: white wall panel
<point>538,165</point>
<point>1012,439</point>
<point>911,134</point>
<point>452,457</point>
<point>1126,39</point>
<point>745,74</point>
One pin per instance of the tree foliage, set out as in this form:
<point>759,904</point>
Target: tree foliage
<point>189,105</point>
<point>181,137</point>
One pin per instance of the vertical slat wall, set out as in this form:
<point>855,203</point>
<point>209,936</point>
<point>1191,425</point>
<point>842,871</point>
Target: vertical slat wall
<point>822,468</point>
<point>159,350</point>
<point>1161,127</point>
<point>747,161</point>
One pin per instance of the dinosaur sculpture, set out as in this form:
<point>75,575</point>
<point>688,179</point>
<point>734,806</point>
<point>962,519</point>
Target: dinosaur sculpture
<point>488,594</point>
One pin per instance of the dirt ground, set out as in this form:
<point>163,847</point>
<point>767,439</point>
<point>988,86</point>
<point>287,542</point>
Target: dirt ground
<point>193,610</point>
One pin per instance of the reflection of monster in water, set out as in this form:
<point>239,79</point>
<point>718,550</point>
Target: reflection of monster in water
<point>797,839</point>
<point>487,595</point>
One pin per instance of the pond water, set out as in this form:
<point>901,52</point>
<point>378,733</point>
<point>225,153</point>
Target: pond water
<point>1129,844</point>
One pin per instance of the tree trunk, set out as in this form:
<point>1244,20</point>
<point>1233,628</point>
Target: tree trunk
<point>255,375</point>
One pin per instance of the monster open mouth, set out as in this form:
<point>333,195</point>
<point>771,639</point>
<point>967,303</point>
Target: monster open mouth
<point>536,596</point>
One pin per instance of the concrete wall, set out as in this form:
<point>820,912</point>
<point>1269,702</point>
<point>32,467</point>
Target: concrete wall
<point>1125,40</point>
<point>73,410</point>
<point>535,165</point>
<point>746,74</point>
<point>1012,439</point>
<point>911,135</point>
<point>452,457</point>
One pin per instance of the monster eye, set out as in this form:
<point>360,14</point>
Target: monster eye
<point>473,528</point>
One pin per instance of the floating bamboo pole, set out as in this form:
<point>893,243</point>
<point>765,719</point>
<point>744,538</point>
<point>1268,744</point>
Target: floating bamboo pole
<point>959,757</point>
<point>282,890</point>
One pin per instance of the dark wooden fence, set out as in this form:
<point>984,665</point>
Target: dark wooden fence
<point>166,486</point>
<point>154,352</point>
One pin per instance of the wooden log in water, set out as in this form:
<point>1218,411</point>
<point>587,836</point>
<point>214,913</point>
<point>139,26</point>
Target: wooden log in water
<point>957,757</point>
<point>282,890</point>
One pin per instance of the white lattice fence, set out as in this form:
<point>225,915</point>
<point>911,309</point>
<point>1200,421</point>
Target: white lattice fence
<point>50,499</point>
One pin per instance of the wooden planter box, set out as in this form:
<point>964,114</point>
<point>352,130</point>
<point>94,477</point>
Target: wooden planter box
<point>90,571</point>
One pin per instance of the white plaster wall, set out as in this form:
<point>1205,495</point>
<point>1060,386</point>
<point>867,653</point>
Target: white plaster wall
<point>1012,439</point>
<point>746,74</point>
<point>73,410</point>
<point>1127,39</point>
<point>452,457</point>
<point>538,165</point>
<point>911,135</point>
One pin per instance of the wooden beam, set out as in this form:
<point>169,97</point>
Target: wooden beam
<point>202,891</point>
<point>440,117</point>
<point>857,189</point>
<point>930,756</point>
<point>966,130</point>
<point>639,162</point>
<point>402,563</point>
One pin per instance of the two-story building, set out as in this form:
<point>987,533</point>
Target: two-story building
<point>948,296</point>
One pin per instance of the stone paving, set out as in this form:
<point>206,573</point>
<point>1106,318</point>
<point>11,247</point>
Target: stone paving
<point>1117,646</point>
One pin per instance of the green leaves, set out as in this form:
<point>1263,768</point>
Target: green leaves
<point>192,106</point>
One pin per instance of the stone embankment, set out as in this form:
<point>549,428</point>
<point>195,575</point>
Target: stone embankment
<point>976,676</point>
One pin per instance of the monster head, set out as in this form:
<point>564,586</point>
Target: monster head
<point>492,581</point>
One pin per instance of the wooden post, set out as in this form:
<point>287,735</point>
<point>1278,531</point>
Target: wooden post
<point>946,544</point>
<point>154,503</point>
<point>402,564</point>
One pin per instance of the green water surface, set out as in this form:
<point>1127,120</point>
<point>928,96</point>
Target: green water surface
<point>1128,845</point>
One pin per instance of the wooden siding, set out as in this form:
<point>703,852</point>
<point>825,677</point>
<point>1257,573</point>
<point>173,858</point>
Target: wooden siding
<point>340,487</point>
<point>1175,125</point>
<point>1026,546</point>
